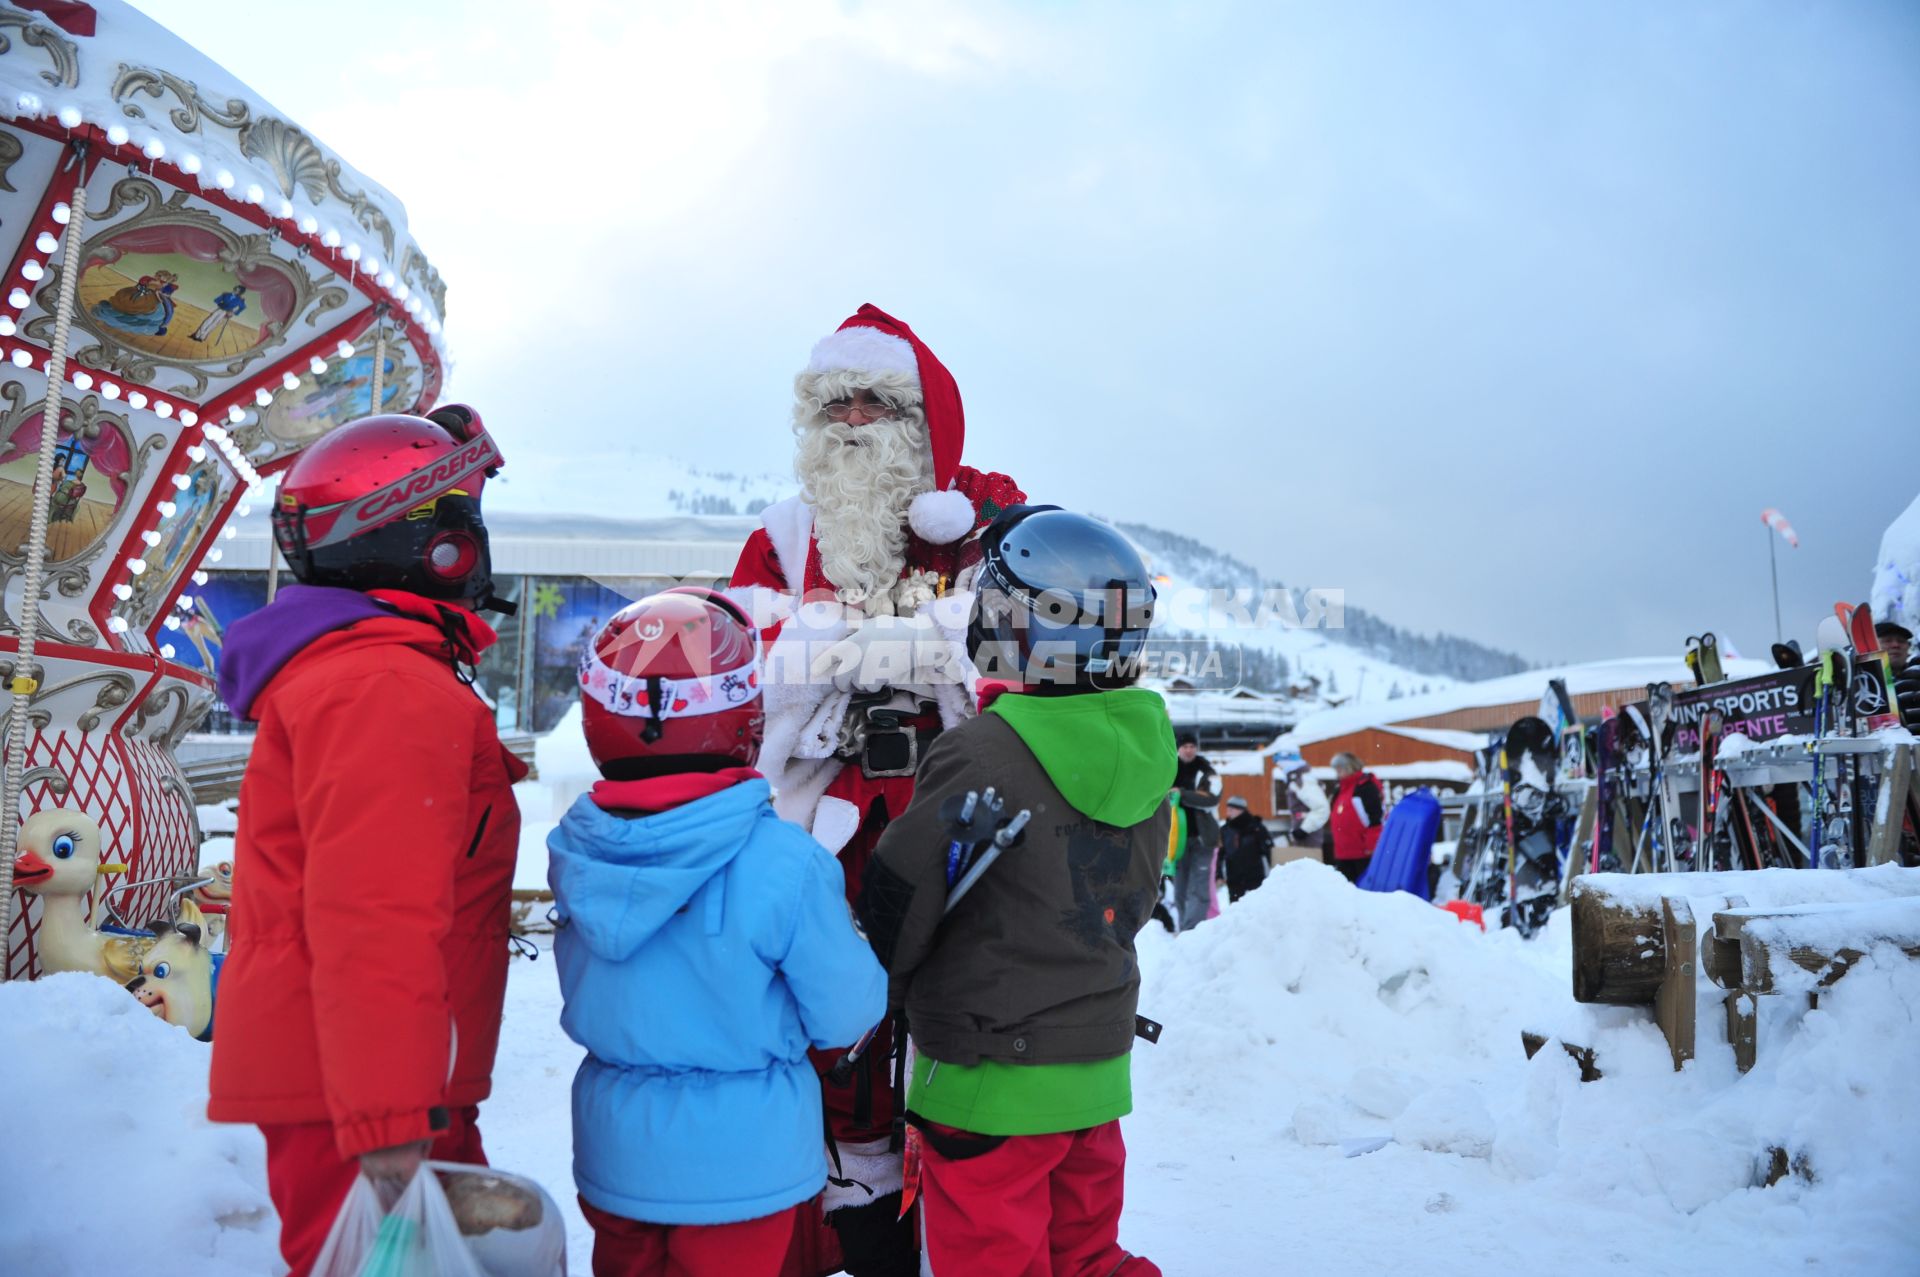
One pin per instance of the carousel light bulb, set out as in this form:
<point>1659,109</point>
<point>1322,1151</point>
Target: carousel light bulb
<point>316,365</point>
<point>214,556</point>
<point>309,224</point>
<point>29,104</point>
<point>181,482</point>
<point>82,379</point>
<point>22,359</point>
<point>262,398</point>
<point>216,432</point>
<point>166,650</point>
<point>187,416</point>
<point>244,510</point>
<point>110,390</point>
<point>18,299</point>
<point>167,509</point>
<point>46,242</point>
<point>236,414</point>
<point>200,577</point>
<point>255,192</point>
<point>373,266</point>
<point>386,280</point>
<point>32,271</point>
<point>223,180</point>
<point>123,591</point>
<point>353,253</point>
<point>189,164</point>
<point>184,602</point>
<point>330,238</point>
<point>117,134</point>
<point>401,291</point>
<point>69,117</point>
<point>150,537</point>
<point>6,326</point>
<point>230,533</point>
<point>136,399</point>
<point>286,210</point>
<point>136,566</point>
<point>116,625</point>
<point>154,149</point>
<point>61,213</point>
<point>290,381</point>
<point>197,452</point>
<point>172,622</point>
<point>344,350</point>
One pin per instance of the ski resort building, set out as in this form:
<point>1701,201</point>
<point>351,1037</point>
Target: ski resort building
<point>568,573</point>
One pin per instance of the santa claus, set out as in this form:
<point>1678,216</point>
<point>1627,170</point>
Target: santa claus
<point>859,584</point>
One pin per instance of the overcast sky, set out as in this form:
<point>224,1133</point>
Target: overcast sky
<point>1508,318</point>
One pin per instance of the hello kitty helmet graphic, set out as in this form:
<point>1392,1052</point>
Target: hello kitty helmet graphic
<point>672,684</point>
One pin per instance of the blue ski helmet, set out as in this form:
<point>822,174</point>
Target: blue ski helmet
<point>1063,601</point>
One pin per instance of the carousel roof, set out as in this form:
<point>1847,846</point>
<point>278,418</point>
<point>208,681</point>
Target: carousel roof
<point>212,285</point>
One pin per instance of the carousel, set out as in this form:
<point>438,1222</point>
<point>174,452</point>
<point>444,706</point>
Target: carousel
<point>196,289</point>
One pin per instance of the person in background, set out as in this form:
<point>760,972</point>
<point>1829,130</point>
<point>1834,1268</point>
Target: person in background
<point>1358,806</point>
<point>1244,847</point>
<point>704,944</point>
<point>1307,805</point>
<point>1197,789</point>
<point>1897,641</point>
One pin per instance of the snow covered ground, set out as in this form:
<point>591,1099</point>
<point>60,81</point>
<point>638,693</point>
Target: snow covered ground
<point>1308,1015</point>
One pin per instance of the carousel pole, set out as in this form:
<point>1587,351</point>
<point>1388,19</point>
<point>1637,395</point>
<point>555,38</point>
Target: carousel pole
<point>26,674</point>
<point>379,363</point>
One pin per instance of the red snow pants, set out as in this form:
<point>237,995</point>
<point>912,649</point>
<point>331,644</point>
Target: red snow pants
<point>308,1179</point>
<point>1036,1206</point>
<point>629,1248</point>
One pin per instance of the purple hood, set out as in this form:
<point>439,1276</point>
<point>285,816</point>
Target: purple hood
<point>260,644</point>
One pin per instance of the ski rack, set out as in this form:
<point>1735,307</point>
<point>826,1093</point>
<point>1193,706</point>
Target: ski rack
<point>1885,757</point>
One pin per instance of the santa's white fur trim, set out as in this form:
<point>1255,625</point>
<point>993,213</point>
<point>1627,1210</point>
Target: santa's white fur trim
<point>940,518</point>
<point>864,349</point>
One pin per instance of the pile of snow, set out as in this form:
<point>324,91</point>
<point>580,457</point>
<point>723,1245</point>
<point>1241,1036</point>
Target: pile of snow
<point>1896,573</point>
<point>1312,1020</point>
<point>1340,1088</point>
<point>113,1166</point>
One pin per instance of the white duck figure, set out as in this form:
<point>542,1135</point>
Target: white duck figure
<point>59,861</point>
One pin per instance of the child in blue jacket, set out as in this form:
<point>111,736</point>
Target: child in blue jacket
<point>704,945</point>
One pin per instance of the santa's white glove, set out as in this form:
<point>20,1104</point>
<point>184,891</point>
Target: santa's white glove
<point>887,651</point>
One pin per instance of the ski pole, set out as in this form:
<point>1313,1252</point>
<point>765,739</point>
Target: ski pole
<point>1008,835</point>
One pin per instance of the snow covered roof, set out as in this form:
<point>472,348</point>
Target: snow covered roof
<point>526,544</point>
<point>148,90</point>
<point>1448,737</point>
<point>1595,676</point>
<point>1896,573</point>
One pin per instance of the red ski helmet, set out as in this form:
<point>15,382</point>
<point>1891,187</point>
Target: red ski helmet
<point>393,502</point>
<point>672,683</point>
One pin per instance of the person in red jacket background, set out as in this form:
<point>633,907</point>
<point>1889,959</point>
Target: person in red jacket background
<point>1358,806</point>
<point>378,829</point>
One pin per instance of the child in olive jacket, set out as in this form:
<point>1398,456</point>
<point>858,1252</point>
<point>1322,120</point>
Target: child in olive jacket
<point>1021,1004</point>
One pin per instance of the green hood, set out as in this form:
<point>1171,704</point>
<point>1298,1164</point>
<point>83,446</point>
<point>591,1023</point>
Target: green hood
<point>1110,754</point>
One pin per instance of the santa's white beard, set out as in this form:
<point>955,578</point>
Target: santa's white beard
<point>860,481</point>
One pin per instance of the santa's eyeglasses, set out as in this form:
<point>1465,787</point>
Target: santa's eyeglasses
<point>867,404</point>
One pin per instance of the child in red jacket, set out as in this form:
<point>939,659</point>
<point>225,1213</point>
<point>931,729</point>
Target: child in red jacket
<point>374,863</point>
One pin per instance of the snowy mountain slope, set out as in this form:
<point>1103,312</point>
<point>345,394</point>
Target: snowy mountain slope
<point>1412,662</point>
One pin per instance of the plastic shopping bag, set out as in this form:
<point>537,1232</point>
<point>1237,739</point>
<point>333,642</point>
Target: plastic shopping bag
<point>512,1228</point>
<point>417,1238</point>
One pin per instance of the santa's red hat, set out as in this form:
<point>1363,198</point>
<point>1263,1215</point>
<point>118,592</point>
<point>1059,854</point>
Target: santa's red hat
<point>873,341</point>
